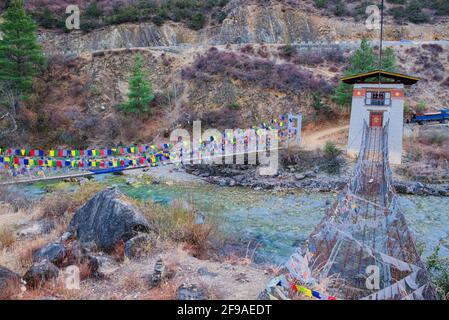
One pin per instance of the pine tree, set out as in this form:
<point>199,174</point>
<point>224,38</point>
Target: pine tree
<point>362,61</point>
<point>389,60</point>
<point>21,56</point>
<point>140,91</point>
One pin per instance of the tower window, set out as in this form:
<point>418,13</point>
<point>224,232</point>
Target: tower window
<point>378,98</point>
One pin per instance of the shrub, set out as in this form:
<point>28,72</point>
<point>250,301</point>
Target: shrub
<point>434,48</point>
<point>285,77</point>
<point>287,51</point>
<point>234,106</point>
<point>46,18</point>
<point>320,3</point>
<point>421,107</point>
<point>414,12</point>
<point>340,8</point>
<point>320,108</point>
<point>331,151</point>
<point>93,11</point>
<point>438,269</point>
<point>435,139</point>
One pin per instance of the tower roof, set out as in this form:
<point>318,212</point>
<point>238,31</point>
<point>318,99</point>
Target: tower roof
<point>397,77</point>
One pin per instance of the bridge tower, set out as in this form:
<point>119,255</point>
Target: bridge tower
<point>378,96</point>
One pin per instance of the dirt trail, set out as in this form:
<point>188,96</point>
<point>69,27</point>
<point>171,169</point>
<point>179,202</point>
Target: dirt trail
<point>317,139</point>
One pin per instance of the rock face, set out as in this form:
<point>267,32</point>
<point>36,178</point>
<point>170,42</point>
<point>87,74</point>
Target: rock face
<point>40,272</point>
<point>9,283</point>
<point>106,220</point>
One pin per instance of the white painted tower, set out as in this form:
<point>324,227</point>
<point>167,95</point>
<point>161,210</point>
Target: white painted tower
<point>378,102</point>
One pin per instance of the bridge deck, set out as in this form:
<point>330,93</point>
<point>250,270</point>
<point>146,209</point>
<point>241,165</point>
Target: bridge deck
<point>366,227</point>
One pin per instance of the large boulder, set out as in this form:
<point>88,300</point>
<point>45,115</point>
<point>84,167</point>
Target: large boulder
<point>9,283</point>
<point>39,273</point>
<point>107,219</point>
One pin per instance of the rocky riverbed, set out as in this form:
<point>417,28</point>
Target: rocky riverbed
<point>314,181</point>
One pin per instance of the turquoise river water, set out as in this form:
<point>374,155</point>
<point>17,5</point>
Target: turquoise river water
<point>279,221</point>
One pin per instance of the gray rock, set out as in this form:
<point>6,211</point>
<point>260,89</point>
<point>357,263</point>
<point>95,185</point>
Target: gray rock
<point>39,273</point>
<point>203,271</point>
<point>9,283</point>
<point>158,274</point>
<point>300,176</point>
<point>200,218</point>
<point>36,229</point>
<point>102,266</point>
<point>107,219</point>
<point>191,292</point>
<point>137,247</point>
<point>53,252</point>
<point>74,253</point>
<point>66,236</point>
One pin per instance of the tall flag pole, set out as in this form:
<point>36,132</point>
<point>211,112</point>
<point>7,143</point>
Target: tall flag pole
<point>381,33</point>
<point>381,37</point>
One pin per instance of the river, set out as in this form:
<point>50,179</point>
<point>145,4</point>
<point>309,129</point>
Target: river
<point>276,221</point>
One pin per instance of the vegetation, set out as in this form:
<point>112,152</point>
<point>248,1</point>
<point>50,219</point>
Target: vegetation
<point>140,90</point>
<point>363,60</point>
<point>402,11</point>
<point>21,57</point>
<point>438,268</point>
<point>331,154</point>
<point>7,237</point>
<point>320,108</point>
<point>194,13</point>
<point>285,77</point>
<point>331,150</point>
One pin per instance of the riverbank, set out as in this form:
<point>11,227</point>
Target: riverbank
<point>312,181</point>
<point>154,251</point>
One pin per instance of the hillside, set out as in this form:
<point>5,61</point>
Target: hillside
<point>218,72</point>
<point>76,101</point>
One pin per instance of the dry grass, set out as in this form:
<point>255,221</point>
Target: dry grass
<point>119,251</point>
<point>60,203</point>
<point>177,223</point>
<point>53,289</point>
<point>133,283</point>
<point>7,238</point>
<point>428,158</point>
<point>165,291</point>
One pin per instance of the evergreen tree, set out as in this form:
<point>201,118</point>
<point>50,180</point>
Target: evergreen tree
<point>389,60</point>
<point>20,54</point>
<point>362,61</point>
<point>140,91</point>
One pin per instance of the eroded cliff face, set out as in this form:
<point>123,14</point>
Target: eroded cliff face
<point>277,23</point>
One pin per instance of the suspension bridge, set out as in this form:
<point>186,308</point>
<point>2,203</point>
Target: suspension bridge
<point>364,235</point>
<point>23,166</point>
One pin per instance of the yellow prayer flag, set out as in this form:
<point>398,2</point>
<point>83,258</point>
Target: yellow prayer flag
<point>52,153</point>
